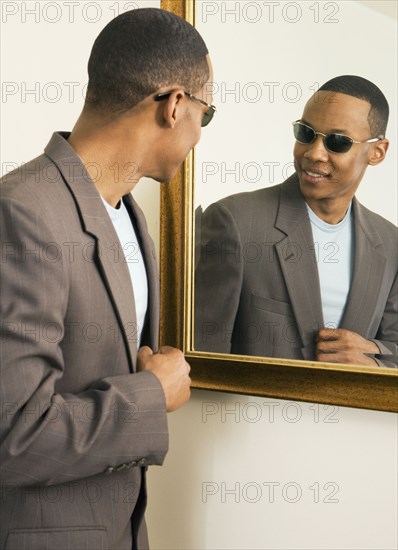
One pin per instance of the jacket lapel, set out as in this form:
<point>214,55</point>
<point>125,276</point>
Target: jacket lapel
<point>298,263</point>
<point>369,268</point>
<point>96,222</point>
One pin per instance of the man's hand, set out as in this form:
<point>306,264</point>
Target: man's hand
<point>344,346</point>
<point>172,370</point>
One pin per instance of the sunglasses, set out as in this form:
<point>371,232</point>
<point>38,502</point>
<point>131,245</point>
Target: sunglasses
<point>335,143</point>
<point>207,115</point>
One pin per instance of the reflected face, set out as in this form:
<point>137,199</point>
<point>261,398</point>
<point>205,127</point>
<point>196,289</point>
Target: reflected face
<point>327,177</point>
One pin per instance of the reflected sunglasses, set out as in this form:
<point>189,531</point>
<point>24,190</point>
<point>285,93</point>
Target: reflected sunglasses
<point>207,115</point>
<point>335,143</point>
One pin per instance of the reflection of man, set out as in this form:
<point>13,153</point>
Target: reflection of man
<point>278,265</point>
<point>84,412</point>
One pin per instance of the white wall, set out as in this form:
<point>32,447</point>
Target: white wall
<point>222,443</point>
<point>212,450</point>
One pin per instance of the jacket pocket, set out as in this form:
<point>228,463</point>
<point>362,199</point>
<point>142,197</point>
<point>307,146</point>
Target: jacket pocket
<point>63,538</point>
<point>274,306</point>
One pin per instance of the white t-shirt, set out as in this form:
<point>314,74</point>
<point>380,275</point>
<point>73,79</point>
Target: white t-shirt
<point>133,256</point>
<point>335,252</point>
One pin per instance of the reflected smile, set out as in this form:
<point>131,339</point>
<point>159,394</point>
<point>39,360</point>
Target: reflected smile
<point>314,176</point>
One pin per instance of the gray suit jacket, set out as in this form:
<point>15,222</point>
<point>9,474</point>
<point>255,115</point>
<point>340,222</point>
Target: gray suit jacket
<point>79,425</point>
<point>257,288</point>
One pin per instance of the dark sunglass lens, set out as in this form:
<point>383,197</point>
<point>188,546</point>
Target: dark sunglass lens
<point>208,115</point>
<point>303,133</point>
<point>338,143</point>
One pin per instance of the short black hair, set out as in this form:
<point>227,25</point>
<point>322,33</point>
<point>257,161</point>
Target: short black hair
<point>362,88</point>
<point>140,51</point>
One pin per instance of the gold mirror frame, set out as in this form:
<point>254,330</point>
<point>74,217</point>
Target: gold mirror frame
<point>328,383</point>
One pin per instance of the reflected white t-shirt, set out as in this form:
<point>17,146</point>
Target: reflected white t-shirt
<point>135,262</point>
<point>335,251</point>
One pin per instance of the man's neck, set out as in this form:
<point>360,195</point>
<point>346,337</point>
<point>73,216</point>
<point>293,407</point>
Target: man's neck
<point>331,212</point>
<point>105,150</point>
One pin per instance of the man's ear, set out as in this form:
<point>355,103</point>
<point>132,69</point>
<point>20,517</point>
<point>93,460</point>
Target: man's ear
<point>378,152</point>
<point>171,108</point>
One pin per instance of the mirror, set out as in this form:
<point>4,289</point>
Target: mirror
<point>240,152</point>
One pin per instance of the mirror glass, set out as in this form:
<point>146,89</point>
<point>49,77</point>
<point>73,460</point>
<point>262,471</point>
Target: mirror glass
<point>269,58</point>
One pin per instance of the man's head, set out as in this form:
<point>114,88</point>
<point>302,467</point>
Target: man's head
<point>356,86</point>
<point>141,51</point>
<point>149,91</point>
<point>331,168</point>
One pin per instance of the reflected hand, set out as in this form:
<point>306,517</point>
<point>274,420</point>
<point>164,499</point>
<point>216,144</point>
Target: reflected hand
<point>344,346</point>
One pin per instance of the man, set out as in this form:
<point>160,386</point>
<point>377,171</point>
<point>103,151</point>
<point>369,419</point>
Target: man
<point>302,270</point>
<point>83,408</point>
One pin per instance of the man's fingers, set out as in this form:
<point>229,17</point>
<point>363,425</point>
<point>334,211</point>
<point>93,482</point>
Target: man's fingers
<point>328,357</point>
<point>187,367</point>
<point>327,346</point>
<point>328,334</point>
<point>144,354</point>
<point>341,358</point>
<point>171,369</point>
<point>145,351</point>
<point>167,349</point>
<point>346,357</point>
<point>179,356</point>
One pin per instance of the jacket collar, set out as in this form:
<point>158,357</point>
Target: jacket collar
<point>369,269</point>
<point>97,223</point>
<point>298,263</point>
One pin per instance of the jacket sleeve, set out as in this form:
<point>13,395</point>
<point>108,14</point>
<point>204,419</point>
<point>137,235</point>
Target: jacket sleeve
<point>218,280</point>
<point>48,437</point>
<point>387,335</point>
